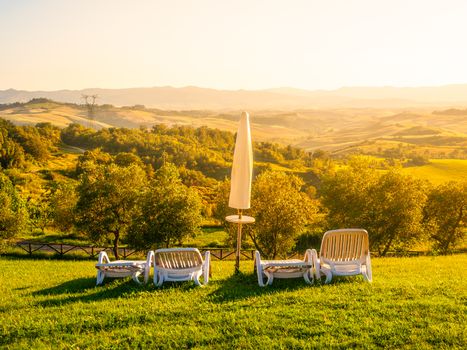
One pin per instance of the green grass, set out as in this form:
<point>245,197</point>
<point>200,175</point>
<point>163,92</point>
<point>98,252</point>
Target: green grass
<point>208,237</point>
<point>441,170</point>
<point>412,303</point>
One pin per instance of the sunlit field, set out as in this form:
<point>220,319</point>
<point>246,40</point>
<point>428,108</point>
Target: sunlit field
<point>440,170</point>
<point>412,303</point>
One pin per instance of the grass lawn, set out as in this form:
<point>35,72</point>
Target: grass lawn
<point>412,303</point>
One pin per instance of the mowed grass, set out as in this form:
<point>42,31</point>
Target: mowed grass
<point>440,170</point>
<point>412,303</point>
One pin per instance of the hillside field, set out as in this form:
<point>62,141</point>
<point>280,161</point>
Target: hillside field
<point>412,303</point>
<point>339,130</point>
<point>440,170</point>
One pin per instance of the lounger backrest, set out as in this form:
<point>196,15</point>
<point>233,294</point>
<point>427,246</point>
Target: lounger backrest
<point>345,245</point>
<point>178,258</point>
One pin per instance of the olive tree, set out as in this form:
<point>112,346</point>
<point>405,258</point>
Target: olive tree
<point>40,212</point>
<point>282,211</point>
<point>63,199</point>
<point>445,214</point>
<point>13,214</point>
<point>108,198</point>
<point>389,205</point>
<point>170,211</point>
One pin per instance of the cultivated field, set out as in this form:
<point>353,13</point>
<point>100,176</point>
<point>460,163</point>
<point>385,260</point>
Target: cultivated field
<point>412,303</point>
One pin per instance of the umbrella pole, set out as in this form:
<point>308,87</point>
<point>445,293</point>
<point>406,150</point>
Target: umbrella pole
<point>239,244</point>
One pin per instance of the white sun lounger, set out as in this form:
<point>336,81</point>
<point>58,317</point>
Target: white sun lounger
<point>123,268</point>
<point>180,264</point>
<point>290,268</point>
<point>344,252</point>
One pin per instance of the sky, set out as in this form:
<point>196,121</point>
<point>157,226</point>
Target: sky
<point>241,44</point>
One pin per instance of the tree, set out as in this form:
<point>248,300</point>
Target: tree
<point>92,158</point>
<point>395,211</point>
<point>40,211</point>
<point>170,211</point>
<point>281,211</point>
<point>126,159</point>
<point>11,152</point>
<point>63,199</point>
<point>445,214</point>
<point>13,215</point>
<point>388,205</point>
<point>108,198</point>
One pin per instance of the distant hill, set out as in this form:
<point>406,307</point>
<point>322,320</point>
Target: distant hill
<point>340,130</point>
<point>196,98</point>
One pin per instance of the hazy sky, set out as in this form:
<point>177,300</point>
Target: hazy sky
<point>235,44</point>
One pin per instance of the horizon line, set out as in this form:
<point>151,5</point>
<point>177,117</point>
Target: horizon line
<point>244,89</point>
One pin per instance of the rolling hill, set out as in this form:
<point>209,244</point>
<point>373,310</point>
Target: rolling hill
<point>189,98</point>
<point>340,130</point>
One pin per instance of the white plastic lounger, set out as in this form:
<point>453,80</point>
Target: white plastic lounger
<point>291,268</point>
<point>344,252</point>
<point>123,268</point>
<point>180,264</point>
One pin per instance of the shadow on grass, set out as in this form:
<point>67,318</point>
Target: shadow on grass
<point>232,288</point>
<point>22,255</point>
<point>243,286</point>
<point>85,290</point>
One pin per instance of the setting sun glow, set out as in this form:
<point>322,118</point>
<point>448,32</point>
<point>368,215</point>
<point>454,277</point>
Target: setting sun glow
<point>245,44</point>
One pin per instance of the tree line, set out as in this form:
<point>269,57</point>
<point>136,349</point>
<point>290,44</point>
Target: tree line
<point>153,187</point>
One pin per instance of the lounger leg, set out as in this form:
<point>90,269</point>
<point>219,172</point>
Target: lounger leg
<point>135,277</point>
<point>100,277</point>
<point>160,279</point>
<point>328,275</point>
<point>368,275</point>
<point>306,276</point>
<point>149,263</point>
<point>259,269</point>
<point>196,278</point>
<point>316,264</point>
<point>270,277</point>
<point>206,267</point>
<point>309,258</point>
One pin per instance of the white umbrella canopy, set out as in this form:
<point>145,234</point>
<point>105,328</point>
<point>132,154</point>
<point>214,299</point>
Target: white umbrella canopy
<point>242,166</point>
<point>241,176</point>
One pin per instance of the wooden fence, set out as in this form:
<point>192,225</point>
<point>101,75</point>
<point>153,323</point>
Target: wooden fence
<point>216,253</point>
<point>92,251</point>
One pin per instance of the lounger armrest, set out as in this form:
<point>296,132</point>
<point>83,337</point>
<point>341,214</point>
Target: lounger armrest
<point>103,258</point>
<point>308,258</point>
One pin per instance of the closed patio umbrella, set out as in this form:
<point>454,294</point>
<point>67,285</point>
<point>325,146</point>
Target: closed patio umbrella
<point>240,186</point>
